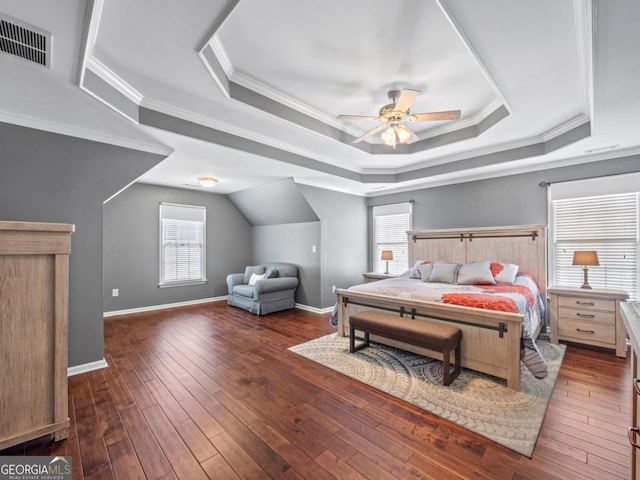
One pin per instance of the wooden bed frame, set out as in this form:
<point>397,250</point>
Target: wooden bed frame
<point>490,339</point>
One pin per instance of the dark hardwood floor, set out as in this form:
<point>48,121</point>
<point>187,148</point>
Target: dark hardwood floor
<point>211,391</point>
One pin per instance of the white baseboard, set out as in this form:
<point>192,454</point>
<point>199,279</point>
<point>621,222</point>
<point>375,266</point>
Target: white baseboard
<point>86,367</point>
<point>314,309</point>
<point>161,307</point>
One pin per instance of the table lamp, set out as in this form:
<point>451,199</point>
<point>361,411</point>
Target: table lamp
<point>586,258</point>
<point>387,255</point>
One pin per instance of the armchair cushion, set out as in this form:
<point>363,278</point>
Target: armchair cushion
<point>257,269</point>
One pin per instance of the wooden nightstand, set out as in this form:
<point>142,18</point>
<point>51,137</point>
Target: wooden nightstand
<point>590,317</point>
<point>374,277</point>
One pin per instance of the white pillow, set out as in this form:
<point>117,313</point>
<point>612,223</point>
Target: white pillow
<point>475,273</point>
<point>504,272</point>
<point>254,278</point>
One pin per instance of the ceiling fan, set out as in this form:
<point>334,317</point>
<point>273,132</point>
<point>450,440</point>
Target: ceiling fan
<point>395,114</point>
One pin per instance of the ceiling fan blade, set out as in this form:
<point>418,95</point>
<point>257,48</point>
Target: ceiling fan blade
<point>370,132</point>
<point>413,137</point>
<point>356,117</point>
<point>424,117</point>
<point>406,99</point>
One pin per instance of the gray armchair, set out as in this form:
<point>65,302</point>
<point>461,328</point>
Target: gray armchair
<point>273,288</point>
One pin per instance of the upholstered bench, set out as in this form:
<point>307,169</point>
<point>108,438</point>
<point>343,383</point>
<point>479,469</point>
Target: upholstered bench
<point>433,336</point>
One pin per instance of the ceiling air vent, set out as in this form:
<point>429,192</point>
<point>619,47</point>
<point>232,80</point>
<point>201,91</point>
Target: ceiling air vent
<point>24,41</point>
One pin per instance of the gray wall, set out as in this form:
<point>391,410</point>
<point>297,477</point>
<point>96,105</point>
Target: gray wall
<point>46,177</point>
<point>510,200</point>
<point>293,243</point>
<point>344,240</point>
<point>131,246</point>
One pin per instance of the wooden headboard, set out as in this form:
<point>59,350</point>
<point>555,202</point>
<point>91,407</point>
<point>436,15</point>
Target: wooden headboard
<point>523,245</point>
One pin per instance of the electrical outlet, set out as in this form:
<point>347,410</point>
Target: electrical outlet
<point>115,292</point>
<point>333,289</point>
<point>313,249</point>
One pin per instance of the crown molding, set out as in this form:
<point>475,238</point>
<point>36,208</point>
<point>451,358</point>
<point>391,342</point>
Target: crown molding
<point>564,127</point>
<point>91,24</point>
<point>584,14</point>
<point>467,43</point>
<point>113,79</point>
<point>221,55</point>
<point>247,81</point>
<point>240,132</point>
<point>72,131</point>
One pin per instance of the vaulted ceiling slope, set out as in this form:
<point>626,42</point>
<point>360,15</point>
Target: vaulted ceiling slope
<point>248,91</point>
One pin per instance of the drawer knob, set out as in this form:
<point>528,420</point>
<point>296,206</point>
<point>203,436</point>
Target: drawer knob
<point>585,331</point>
<point>590,304</point>
<point>632,436</point>
<point>585,315</point>
<point>636,385</point>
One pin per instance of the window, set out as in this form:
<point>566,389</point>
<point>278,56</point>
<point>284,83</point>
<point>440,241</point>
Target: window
<point>606,223</point>
<point>390,226</point>
<point>182,245</point>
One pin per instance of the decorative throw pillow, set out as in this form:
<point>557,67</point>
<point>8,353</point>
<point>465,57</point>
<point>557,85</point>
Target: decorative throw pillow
<point>254,278</point>
<point>257,269</point>
<point>425,270</point>
<point>444,272</point>
<point>475,273</point>
<point>413,271</point>
<point>272,272</point>
<point>504,272</point>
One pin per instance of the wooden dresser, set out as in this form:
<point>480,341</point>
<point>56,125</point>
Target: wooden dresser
<point>34,259</point>
<point>631,320</point>
<point>591,317</point>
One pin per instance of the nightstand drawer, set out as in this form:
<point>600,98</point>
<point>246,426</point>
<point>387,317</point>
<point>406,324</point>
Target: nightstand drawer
<point>587,303</point>
<point>595,332</point>
<point>585,315</point>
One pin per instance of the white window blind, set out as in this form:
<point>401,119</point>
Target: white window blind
<point>182,244</point>
<point>390,226</point>
<point>607,224</point>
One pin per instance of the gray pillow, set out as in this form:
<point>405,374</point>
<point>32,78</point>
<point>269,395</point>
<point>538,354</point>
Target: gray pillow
<point>425,270</point>
<point>257,269</point>
<point>475,273</point>
<point>272,272</point>
<point>444,272</point>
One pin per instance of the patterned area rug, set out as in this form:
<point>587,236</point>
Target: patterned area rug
<point>478,402</point>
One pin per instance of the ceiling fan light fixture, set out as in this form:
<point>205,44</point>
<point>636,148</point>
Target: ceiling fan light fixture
<point>389,137</point>
<point>207,182</point>
<point>403,133</point>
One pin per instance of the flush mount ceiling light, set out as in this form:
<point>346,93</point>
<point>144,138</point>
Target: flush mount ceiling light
<point>207,182</point>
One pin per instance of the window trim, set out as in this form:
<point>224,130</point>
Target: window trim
<point>393,209</point>
<point>181,283</point>
<point>592,187</point>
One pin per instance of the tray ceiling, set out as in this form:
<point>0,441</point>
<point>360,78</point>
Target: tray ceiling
<point>248,91</point>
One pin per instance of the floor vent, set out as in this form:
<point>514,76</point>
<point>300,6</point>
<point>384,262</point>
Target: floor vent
<point>24,41</point>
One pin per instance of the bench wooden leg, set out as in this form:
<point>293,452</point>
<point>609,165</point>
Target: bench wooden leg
<point>352,340</point>
<point>457,367</point>
<point>447,375</point>
<point>446,367</point>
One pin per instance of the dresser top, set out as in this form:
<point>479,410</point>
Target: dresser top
<point>631,317</point>
<point>588,292</point>
<point>36,227</point>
